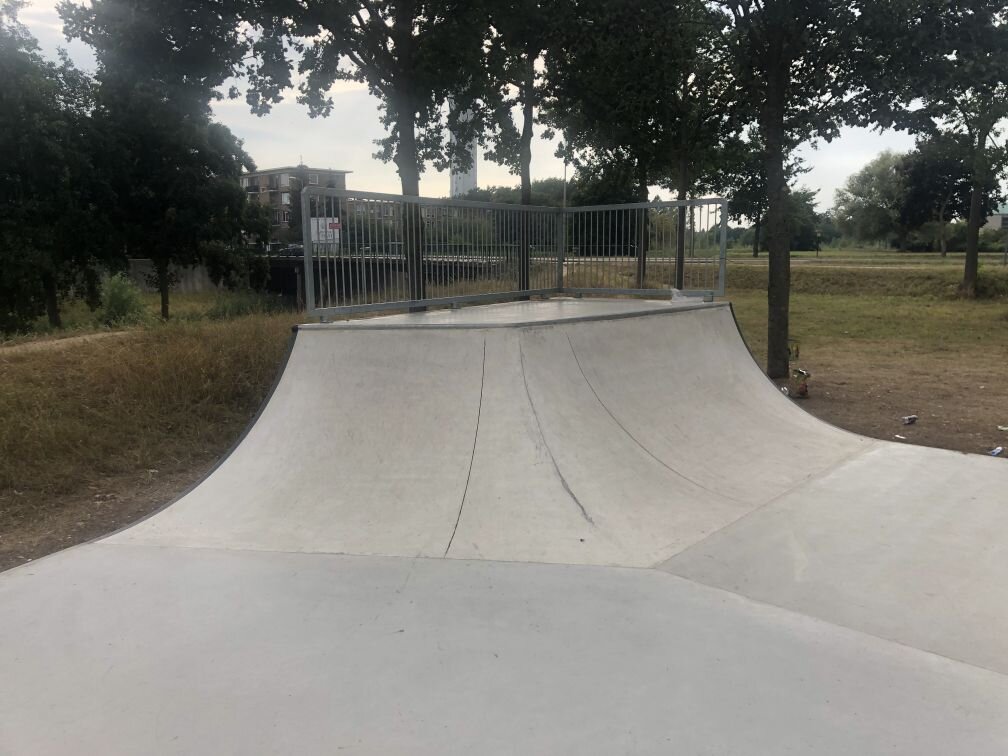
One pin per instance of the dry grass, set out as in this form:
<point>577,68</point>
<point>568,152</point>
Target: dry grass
<point>100,416</point>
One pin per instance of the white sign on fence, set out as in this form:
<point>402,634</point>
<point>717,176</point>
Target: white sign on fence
<point>325,230</point>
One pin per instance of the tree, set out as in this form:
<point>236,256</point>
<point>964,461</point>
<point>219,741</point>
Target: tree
<point>792,61</point>
<point>191,48</point>
<point>870,204</point>
<point>175,172</point>
<point>414,55</point>
<point>520,32</point>
<point>744,180</point>
<point>953,83</point>
<point>53,225</point>
<point>804,221</point>
<point>645,83</point>
<point>937,187</point>
<point>175,175</point>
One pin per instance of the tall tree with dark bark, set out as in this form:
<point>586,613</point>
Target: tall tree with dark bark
<point>793,63</point>
<point>521,32</point>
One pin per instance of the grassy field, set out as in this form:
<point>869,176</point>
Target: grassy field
<point>99,429</point>
<point>882,344</point>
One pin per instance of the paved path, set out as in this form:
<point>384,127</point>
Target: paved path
<point>574,526</point>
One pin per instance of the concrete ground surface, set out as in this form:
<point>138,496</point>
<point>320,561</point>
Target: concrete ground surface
<point>570,526</point>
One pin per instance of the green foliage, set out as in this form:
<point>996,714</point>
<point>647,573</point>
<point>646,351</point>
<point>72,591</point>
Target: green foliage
<point>173,170</point>
<point>53,228</point>
<point>122,302</point>
<point>870,204</point>
<point>414,56</point>
<point>548,192</point>
<point>955,84</point>
<point>646,83</point>
<point>803,220</point>
<point>792,66</point>
<point>520,32</point>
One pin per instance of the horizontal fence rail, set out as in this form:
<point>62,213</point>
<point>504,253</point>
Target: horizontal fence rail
<point>369,251</point>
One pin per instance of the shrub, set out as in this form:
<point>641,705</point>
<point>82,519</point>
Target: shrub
<point>122,302</point>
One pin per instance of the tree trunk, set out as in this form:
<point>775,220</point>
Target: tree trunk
<point>643,231</point>
<point>680,255</point>
<point>755,242</point>
<point>408,163</point>
<point>161,272</point>
<point>778,243</point>
<point>942,229</point>
<point>969,282</point>
<point>525,165</point>
<point>525,143</point>
<point>976,217</point>
<point>51,300</point>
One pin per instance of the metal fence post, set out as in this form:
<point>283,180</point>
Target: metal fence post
<point>680,255</point>
<point>642,236</point>
<point>523,251</point>
<point>307,251</point>
<point>723,265</point>
<point>561,247</point>
<point>414,240</point>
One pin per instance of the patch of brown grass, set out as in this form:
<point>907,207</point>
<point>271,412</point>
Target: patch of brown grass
<point>155,403</point>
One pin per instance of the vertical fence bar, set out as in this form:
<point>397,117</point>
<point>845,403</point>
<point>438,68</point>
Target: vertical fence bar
<point>308,253</point>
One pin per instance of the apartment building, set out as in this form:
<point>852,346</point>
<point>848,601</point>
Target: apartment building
<point>999,220</point>
<point>280,190</point>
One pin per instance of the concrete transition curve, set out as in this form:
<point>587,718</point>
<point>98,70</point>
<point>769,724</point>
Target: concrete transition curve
<point>569,526</point>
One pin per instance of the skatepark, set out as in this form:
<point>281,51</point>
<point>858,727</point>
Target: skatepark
<point>570,526</point>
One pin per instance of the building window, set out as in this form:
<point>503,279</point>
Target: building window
<point>286,216</point>
<point>276,217</point>
<point>313,179</point>
<point>284,180</point>
<point>285,198</point>
<point>245,182</point>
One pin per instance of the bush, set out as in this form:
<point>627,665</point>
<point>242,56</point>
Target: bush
<point>122,302</point>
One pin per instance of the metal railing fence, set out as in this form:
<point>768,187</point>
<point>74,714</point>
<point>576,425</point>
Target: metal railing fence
<point>369,251</point>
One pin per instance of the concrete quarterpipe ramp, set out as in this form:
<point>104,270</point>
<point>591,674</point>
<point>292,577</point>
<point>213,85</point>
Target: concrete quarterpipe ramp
<point>573,526</point>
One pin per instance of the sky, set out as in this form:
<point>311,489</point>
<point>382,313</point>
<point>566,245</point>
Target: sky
<point>345,140</point>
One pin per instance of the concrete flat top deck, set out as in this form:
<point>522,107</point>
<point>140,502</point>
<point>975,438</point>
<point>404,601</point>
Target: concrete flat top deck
<point>572,526</point>
<point>522,313</point>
